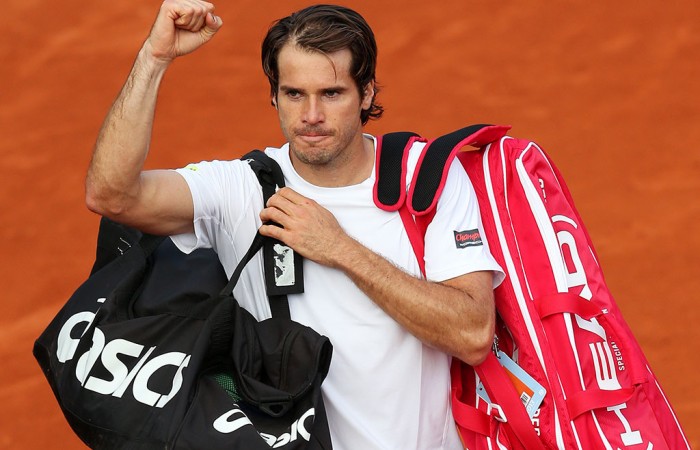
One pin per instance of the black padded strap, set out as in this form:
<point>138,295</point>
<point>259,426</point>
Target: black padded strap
<point>390,187</point>
<point>271,178</point>
<point>430,174</point>
<point>267,170</point>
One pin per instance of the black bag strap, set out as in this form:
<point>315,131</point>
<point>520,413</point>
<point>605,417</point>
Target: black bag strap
<point>270,177</point>
<point>435,160</point>
<point>222,322</point>
<point>255,246</point>
<point>267,170</point>
<point>390,187</point>
<point>428,179</point>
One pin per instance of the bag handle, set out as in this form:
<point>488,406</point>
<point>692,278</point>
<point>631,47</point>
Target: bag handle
<point>593,398</point>
<point>222,325</point>
<point>255,246</point>
<point>270,177</point>
<point>567,302</point>
<point>503,393</point>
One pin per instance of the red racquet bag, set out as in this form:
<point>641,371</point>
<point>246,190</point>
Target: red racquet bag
<point>566,371</point>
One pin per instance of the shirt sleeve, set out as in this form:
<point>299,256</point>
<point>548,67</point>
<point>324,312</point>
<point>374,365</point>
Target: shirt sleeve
<point>455,242</point>
<point>225,195</point>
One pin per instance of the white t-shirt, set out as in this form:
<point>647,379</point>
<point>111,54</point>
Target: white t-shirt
<point>385,389</point>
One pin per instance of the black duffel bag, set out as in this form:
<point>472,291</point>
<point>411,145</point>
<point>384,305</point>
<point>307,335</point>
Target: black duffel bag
<point>153,351</point>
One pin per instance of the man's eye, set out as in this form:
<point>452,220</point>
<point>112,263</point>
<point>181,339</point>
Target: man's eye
<point>331,94</point>
<point>293,94</point>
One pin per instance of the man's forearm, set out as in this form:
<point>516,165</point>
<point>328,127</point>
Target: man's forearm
<point>456,316</point>
<point>123,141</point>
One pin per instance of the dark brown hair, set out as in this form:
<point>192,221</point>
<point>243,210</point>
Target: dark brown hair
<point>326,29</point>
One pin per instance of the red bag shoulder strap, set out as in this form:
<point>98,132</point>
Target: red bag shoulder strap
<point>417,206</point>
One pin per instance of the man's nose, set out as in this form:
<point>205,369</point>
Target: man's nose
<point>313,111</point>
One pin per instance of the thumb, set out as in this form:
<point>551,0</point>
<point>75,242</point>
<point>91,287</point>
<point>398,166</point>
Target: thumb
<point>212,24</point>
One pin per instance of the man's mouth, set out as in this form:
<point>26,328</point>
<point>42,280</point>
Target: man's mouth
<point>313,136</point>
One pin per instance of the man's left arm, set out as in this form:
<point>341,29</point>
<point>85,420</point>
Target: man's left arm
<point>456,316</point>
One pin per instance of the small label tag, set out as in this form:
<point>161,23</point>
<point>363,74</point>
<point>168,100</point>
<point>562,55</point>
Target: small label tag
<point>284,265</point>
<point>283,269</point>
<point>530,391</point>
<point>468,238</point>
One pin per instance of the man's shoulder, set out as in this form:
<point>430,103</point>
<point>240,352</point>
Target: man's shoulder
<point>281,156</point>
<point>219,172</point>
<point>277,153</point>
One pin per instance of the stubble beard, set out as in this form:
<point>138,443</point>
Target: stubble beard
<point>312,155</point>
<point>319,154</point>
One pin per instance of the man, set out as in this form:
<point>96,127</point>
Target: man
<point>393,332</point>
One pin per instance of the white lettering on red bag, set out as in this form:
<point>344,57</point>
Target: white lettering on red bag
<point>604,364</point>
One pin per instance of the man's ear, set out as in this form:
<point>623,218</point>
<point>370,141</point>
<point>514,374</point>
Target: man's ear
<point>273,101</point>
<point>368,95</point>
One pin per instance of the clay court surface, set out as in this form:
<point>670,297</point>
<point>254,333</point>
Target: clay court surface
<point>611,92</point>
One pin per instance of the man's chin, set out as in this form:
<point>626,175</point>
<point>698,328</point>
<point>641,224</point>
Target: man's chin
<point>312,156</point>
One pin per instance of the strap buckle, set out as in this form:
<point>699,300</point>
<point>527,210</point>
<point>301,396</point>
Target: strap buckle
<point>494,346</point>
<point>499,414</point>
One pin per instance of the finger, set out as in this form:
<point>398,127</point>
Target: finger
<point>213,23</point>
<point>189,20</point>
<point>290,201</point>
<point>293,196</point>
<point>202,12</point>
<point>274,215</point>
<point>282,203</point>
<point>200,18</point>
<point>273,231</point>
<point>197,22</point>
<point>192,15</point>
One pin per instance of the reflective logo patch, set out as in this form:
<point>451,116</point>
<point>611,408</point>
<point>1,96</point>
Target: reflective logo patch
<point>284,265</point>
<point>468,238</point>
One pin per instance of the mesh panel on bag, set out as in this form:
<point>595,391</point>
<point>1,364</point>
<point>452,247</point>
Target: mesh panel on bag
<point>227,383</point>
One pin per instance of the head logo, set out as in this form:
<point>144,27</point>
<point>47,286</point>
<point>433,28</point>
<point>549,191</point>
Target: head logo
<point>468,238</point>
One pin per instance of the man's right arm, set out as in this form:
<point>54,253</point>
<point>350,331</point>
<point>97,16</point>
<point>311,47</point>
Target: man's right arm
<point>159,201</point>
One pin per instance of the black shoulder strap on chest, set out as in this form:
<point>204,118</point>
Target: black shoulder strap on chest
<point>267,170</point>
<point>431,170</point>
<point>390,184</point>
<point>283,266</point>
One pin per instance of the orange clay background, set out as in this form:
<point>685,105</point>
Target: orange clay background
<point>611,91</point>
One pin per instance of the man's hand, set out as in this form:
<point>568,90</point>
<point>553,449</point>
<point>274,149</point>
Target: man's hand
<point>308,228</point>
<point>181,27</point>
<point>456,316</point>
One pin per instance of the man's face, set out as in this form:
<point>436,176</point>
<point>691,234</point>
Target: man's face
<point>319,106</point>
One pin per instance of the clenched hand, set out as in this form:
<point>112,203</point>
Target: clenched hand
<point>181,27</point>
